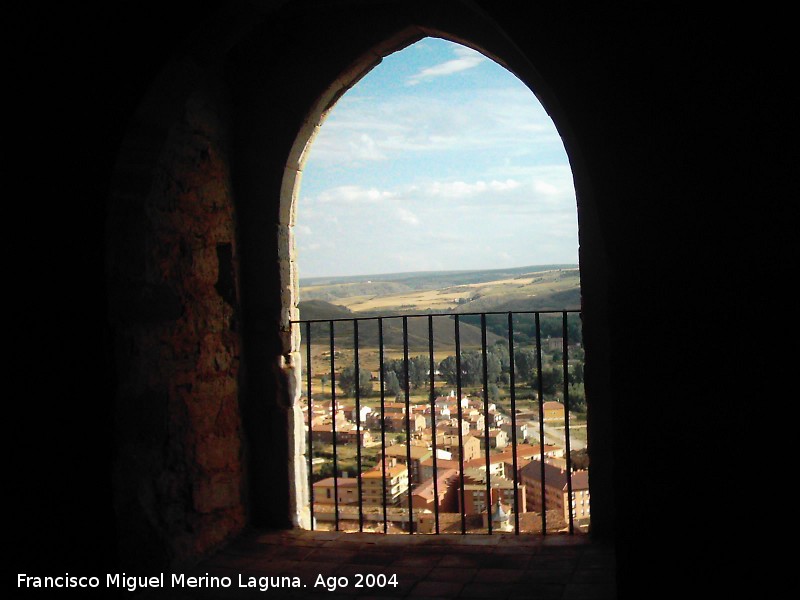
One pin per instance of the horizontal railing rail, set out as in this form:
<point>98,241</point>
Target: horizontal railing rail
<point>437,314</point>
<point>388,488</point>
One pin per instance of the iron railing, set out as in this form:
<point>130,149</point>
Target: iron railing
<point>353,337</point>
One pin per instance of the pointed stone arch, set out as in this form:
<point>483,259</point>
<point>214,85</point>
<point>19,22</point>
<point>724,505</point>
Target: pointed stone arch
<point>491,43</point>
<point>265,81</point>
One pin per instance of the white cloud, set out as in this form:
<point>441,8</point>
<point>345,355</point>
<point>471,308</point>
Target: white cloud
<point>353,194</point>
<point>364,147</point>
<point>505,257</point>
<point>467,59</point>
<point>406,216</point>
<point>545,188</point>
<point>370,130</point>
<point>460,189</point>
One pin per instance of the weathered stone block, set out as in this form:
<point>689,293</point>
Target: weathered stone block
<point>218,491</point>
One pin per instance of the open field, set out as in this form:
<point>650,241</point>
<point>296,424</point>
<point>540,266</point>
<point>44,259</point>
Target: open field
<point>540,288</point>
<point>444,290</point>
<point>479,296</point>
<point>431,300</point>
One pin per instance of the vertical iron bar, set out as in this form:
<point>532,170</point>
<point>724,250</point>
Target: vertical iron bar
<point>541,419</point>
<point>357,367</point>
<point>485,377</point>
<point>512,393</point>
<point>333,429</point>
<point>460,421</point>
<point>310,406</point>
<point>432,369</point>
<point>408,424</point>
<point>565,362</point>
<point>383,424</point>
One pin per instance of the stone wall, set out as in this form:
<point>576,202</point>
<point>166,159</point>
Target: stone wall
<point>172,257</point>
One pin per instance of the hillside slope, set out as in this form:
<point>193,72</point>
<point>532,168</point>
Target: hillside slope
<point>443,329</point>
<point>528,288</point>
<point>381,285</point>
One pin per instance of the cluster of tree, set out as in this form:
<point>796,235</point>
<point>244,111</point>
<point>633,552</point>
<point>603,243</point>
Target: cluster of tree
<point>498,373</point>
<point>577,398</point>
<point>348,382</point>
<point>579,459</point>
<point>471,366</point>
<point>394,377</point>
<point>550,326</point>
<point>498,369</point>
<point>395,369</point>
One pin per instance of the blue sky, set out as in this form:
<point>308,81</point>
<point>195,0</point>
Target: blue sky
<point>438,159</point>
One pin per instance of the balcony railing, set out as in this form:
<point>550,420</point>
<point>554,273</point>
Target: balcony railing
<point>396,459</point>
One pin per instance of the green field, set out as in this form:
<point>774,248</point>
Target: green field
<point>548,287</point>
<point>534,288</point>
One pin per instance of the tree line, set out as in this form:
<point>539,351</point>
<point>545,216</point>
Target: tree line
<point>416,374</point>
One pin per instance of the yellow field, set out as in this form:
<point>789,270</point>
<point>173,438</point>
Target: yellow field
<point>423,300</point>
<point>544,282</point>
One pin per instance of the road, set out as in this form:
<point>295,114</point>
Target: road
<point>555,436</point>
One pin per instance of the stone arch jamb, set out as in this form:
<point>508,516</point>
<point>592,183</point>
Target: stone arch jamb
<point>290,287</point>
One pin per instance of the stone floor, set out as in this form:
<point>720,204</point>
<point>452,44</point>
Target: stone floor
<point>501,566</point>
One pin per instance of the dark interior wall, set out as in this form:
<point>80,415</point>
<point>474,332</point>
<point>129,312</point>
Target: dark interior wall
<point>660,251</point>
<point>130,343</point>
<point>172,256</point>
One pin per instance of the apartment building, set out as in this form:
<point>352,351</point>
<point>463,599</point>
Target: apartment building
<point>556,490</point>
<point>476,498</point>
<point>395,485</point>
<point>346,433</point>
<point>329,490</point>
<point>398,453</point>
<point>446,496</point>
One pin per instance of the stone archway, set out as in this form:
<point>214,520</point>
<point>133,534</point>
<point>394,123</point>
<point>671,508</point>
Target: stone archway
<point>247,102</point>
<point>289,195</point>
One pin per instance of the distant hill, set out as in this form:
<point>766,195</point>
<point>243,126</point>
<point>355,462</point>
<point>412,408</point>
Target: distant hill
<point>335,291</point>
<point>319,309</point>
<point>443,329</point>
<point>332,288</point>
<point>542,287</point>
<point>561,300</point>
<point>438,278</point>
